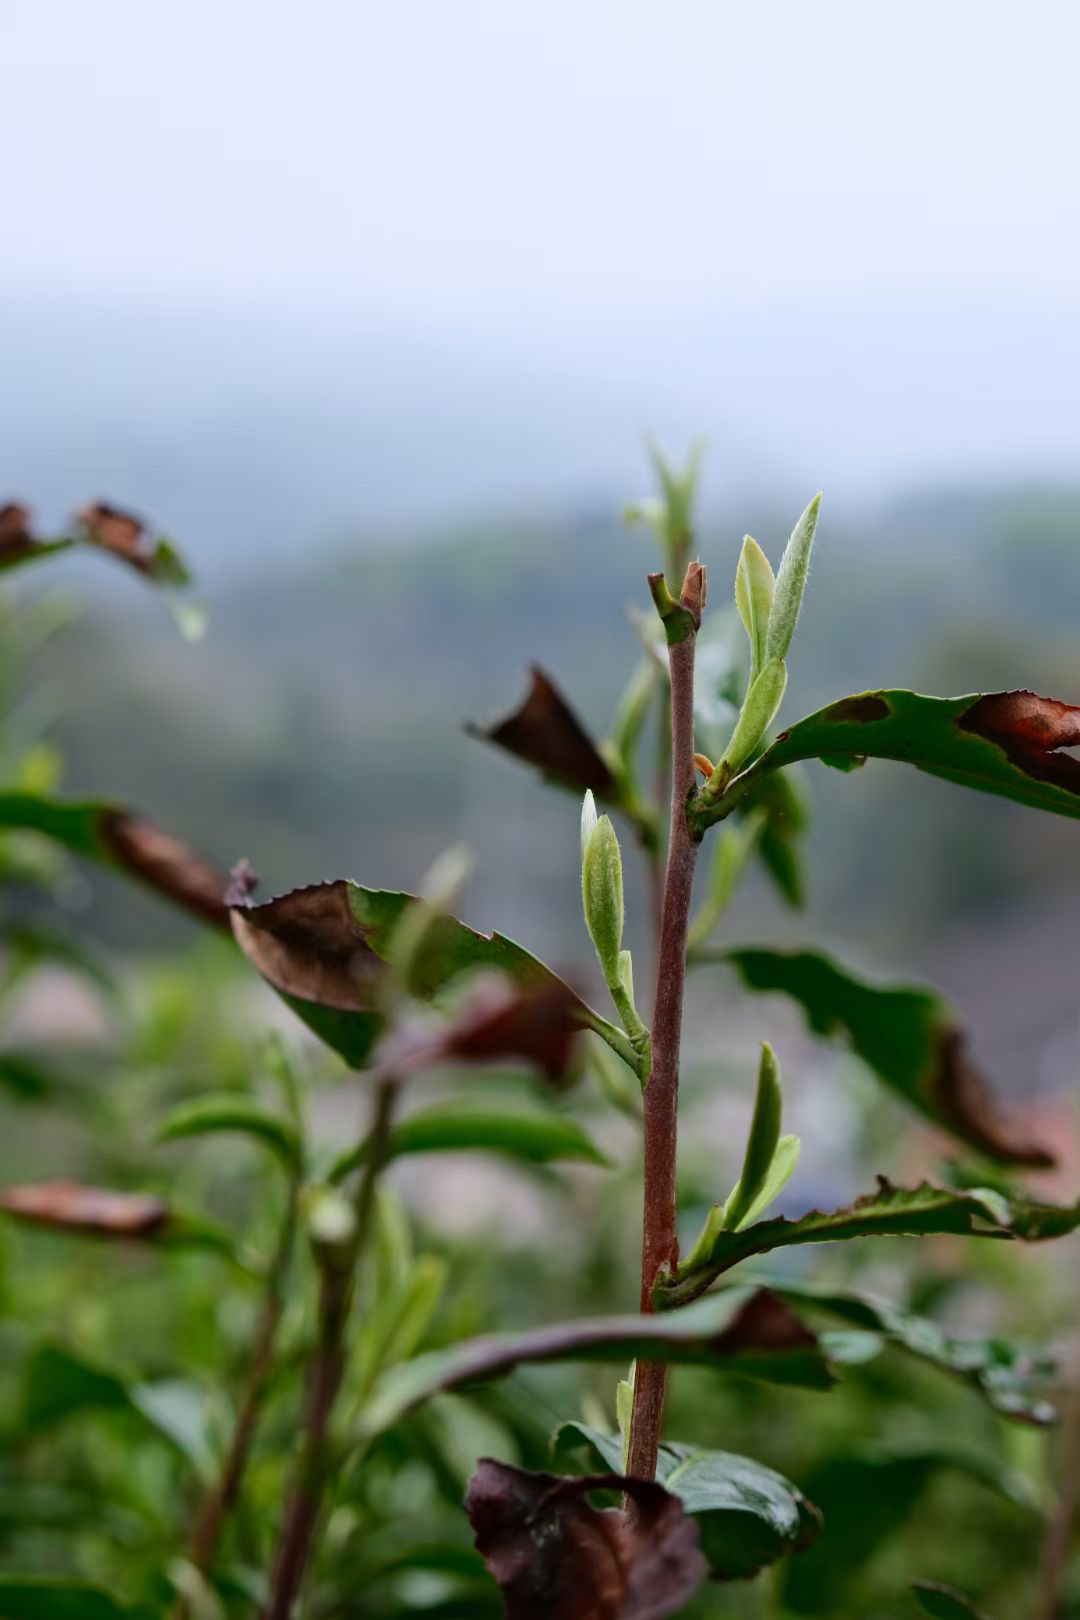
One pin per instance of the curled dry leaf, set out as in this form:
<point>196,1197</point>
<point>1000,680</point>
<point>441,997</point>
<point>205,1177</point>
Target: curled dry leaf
<point>167,865</point>
<point>75,1208</point>
<point>554,1554</point>
<point>121,838</point>
<point>502,1020</point>
<point>547,733</point>
<point>325,950</point>
<point>119,532</point>
<point>15,536</point>
<point>1006,743</point>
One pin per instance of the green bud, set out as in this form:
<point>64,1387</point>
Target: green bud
<point>602,895</point>
<point>759,707</point>
<point>624,1409</point>
<point>790,583</point>
<point>754,586</point>
<point>331,1223</point>
<point>588,821</point>
<point>762,1141</point>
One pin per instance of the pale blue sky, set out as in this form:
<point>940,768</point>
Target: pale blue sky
<point>491,242</point>
<point>455,153</point>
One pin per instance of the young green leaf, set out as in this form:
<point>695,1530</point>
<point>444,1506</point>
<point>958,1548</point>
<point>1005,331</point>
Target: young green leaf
<point>761,703</point>
<point>905,1034</point>
<point>761,1142</point>
<point>749,1516</point>
<point>790,584</point>
<point>890,1212</point>
<point>233,1112</point>
<point>754,585</point>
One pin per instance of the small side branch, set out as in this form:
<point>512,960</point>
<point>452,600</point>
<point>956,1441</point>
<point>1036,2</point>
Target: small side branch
<point>327,1369</point>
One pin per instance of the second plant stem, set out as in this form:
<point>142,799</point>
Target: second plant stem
<point>659,1247</point>
<point>327,1369</point>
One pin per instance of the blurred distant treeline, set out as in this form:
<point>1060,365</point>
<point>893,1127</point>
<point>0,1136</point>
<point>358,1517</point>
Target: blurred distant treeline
<point>318,727</point>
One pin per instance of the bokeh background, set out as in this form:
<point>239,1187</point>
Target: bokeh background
<point>371,306</point>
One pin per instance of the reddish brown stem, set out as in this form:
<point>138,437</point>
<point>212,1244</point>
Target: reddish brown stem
<point>315,1465</point>
<point>659,1246</point>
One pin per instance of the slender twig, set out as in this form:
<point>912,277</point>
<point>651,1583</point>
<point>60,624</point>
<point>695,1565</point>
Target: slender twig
<point>659,1246</point>
<point>219,1504</point>
<point>326,1372</point>
<point>1054,1561</point>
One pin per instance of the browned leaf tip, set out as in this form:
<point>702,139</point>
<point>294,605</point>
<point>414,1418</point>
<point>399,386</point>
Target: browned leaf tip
<point>309,944</point>
<point>765,1323</point>
<point>547,733</point>
<point>558,1558</point>
<point>15,535</point>
<point>76,1208</point>
<point>167,865</point>
<point>119,532</point>
<point>500,1021</point>
<point>692,596</point>
<point>969,1108</point>
<point>1029,730</point>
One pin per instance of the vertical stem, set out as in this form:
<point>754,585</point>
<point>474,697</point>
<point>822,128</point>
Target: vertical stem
<point>1054,1561</point>
<point>219,1504</point>
<point>327,1369</point>
<point>659,1245</point>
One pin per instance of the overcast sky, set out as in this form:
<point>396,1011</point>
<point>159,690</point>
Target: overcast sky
<point>493,153</point>
<point>843,237</point>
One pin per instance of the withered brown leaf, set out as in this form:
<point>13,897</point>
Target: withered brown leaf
<point>502,1020</point>
<point>547,733</point>
<point>166,864</point>
<point>76,1208</point>
<point>117,531</point>
<point>1030,730</point>
<point>555,1555</point>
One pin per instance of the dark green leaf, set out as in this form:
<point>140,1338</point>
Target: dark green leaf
<point>528,1135</point>
<point>326,950</point>
<point>58,1384</point>
<point>1003,1372</point>
<point>748,1515</point>
<point>233,1112</point>
<point>944,1603</point>
<point>41,1597</point>
<point>1007,743</point>
<point>865,1498</point>
<point>747,1329</point>
<point>889,1212</point>
<point>121,839</point>
<point>904,1033</point>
